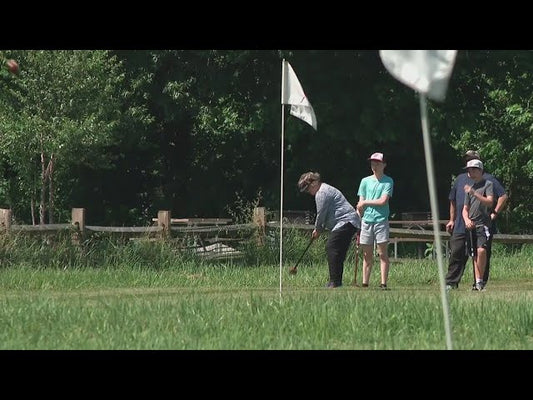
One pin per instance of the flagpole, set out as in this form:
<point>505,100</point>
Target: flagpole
<point>281,199</point>
<point>435,216</point>
<point>283,83</point>
<point>300,108</point>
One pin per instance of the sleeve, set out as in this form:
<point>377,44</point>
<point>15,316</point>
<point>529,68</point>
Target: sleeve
<point>490,189</point>
<point>389,187</point>
<point>361,190</point>
<point>467,200</point>
<point>498,190</point>
<point>321,210</point>
<point>453,191</point>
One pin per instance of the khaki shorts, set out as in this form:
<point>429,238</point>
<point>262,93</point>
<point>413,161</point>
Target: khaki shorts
<point>378,231</point>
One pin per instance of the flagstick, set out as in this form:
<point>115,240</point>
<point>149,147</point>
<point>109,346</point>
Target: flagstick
<point>283,83</point>
<point>435,215</point>
<point>281,200</point>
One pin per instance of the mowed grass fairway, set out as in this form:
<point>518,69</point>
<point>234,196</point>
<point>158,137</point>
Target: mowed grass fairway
<point>188,305</point>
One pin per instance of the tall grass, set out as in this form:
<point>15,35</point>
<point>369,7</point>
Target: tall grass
<point>150,295</point>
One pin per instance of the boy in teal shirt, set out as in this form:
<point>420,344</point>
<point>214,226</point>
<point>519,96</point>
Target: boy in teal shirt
<point>374,194</point>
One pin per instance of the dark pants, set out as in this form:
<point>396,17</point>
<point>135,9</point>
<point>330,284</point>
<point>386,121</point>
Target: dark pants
<point>336,248</point>
<point>459,256</point>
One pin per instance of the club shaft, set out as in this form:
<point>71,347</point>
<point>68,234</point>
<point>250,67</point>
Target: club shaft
<point>473,254</point>
<point>356,257</point>
<point>305,251</point>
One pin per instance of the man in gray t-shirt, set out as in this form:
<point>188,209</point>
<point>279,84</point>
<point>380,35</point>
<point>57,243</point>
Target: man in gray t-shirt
<point>479,198</point>
<point>477,211</point>
<point>333,213</point>
<point>456,224</point>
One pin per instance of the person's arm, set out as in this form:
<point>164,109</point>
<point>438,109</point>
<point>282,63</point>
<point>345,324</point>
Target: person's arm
<point>321,210</point>
<point>383,200</point>
<point>502,196</point>
<point>452,197</point>
<point>377,202</point>
<point>487,201</point>
<point>469,224</point>
<point>500,205</point>
<point>360,192</point>
<point>453,213</point>
<point>360,206</point>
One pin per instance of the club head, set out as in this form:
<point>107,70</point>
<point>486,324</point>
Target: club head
<point>293,271</point>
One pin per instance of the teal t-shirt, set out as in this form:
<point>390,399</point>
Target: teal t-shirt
<point>372,189</point>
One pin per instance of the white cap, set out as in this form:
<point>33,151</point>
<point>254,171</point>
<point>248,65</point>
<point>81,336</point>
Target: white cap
<point>474,164</point>
<point>377,157</point>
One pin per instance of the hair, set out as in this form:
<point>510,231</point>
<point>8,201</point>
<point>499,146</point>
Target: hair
<point>306,179</point>
<point>471,155</point>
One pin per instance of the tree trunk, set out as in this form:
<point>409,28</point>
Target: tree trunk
<point>43,191</point>
<point>32,211</point>
<point>50,190</point>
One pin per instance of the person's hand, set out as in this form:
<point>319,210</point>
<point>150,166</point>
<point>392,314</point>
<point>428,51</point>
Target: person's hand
<point>315,234</point>
<point>360,207</point>
<point>469,224</point>
<point>449,226</point>
<point>467,188</point>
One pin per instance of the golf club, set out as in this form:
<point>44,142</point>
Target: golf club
<point>357,237</point>
<point>473,255</point>
<point>294,269</point>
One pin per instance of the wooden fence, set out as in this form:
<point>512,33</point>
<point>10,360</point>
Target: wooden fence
<point>212,233</point>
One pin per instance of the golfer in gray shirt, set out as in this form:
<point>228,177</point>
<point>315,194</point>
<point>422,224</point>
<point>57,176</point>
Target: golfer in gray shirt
<point>335,214</point>
<point>479,199</point>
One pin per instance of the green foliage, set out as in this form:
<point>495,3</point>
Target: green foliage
<point>242,210</point>
<point>430,250</point>
<point>489,109</point>
<point>68,105</point>
<point>194,131</point>
<point>97,251</point>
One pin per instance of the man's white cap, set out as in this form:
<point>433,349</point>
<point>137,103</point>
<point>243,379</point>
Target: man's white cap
<point>377,157</point>
<point>474,164</point>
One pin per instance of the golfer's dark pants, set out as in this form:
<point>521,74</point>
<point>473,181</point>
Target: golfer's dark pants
<point>336,248</point>
<point>459,257</point>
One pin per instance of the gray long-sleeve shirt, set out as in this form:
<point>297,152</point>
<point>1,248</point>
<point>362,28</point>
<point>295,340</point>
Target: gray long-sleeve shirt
<point>333,210</point>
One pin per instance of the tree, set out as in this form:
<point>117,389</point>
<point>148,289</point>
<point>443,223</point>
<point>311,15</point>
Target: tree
<point>67,105</point>
<point>213,137</point>
<point>490,109</point>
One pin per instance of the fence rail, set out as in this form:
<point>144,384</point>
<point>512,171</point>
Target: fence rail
<point>212,230</point>
<point>41,228</point>
<point>125,229</point>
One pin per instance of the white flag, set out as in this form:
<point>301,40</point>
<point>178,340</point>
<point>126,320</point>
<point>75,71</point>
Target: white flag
<point>426,71</point>
<point>293,94</point>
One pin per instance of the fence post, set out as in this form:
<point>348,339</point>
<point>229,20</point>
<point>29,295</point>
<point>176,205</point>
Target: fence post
<point>164,220</point>
<point>78,220</point>
<point>5,219</point>
<point>260,221</point>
